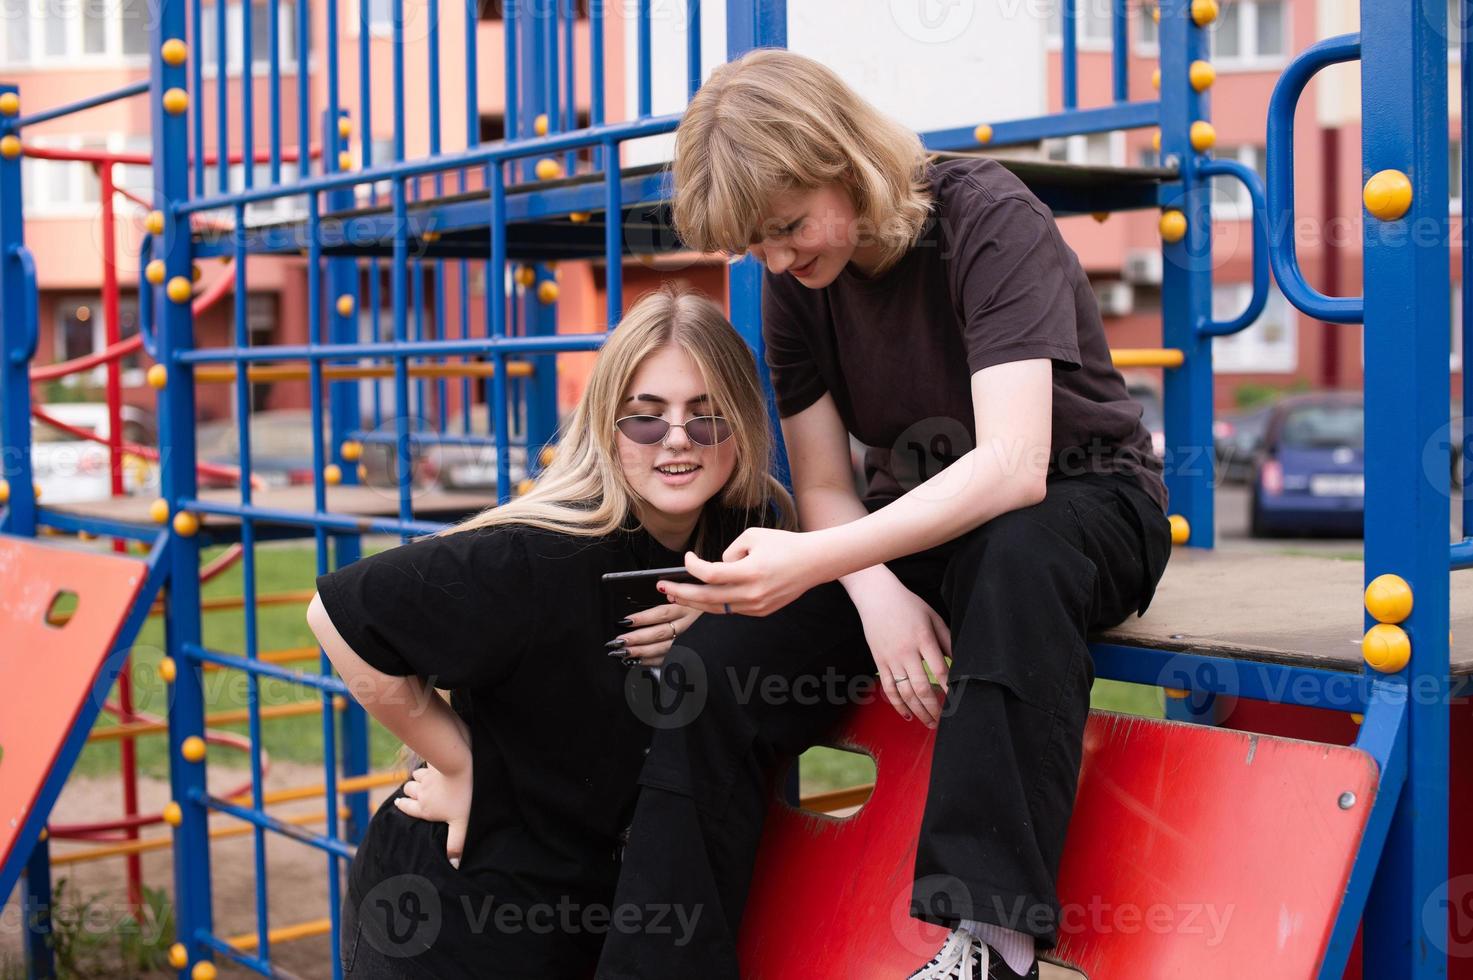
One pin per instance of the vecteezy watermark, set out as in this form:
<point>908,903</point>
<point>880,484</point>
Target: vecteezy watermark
<point>933,21</point>
<point>404,915</point>
<point>672,697</point>
<point>1447,916</point>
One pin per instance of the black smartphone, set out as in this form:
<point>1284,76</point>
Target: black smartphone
<point>630,592</point>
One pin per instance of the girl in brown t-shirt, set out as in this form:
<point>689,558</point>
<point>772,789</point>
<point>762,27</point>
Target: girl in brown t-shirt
<point>1014,504</point>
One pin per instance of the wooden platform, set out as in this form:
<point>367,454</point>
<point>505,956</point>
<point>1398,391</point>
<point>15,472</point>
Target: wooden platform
<point>1292,609</point>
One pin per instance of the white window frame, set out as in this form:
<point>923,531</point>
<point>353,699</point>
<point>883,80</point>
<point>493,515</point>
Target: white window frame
<point>1248,57</point>
<point>1454,37</point>
<point>1455,347</point>
<point>74,57</point>
<point>1083,40</point>
<point>270,211</point>
<point>1454,177</point>
<point>1236,296</point>
<point>377,27</point>
<point>1239,209</point>
<point>78,174</point>
<point>260,54</point>
<point>1140,44</point>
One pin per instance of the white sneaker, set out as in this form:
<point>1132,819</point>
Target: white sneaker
<point>956,960</point>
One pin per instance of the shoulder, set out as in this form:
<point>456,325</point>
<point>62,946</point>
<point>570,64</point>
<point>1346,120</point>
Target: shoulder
<point>973,187</point>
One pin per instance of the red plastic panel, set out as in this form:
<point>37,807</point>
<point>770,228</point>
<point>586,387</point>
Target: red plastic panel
<point>1193,852</point>
<point>49,671</point>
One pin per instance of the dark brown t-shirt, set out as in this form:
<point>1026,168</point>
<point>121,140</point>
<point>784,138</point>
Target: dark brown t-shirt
<point>989,280</point>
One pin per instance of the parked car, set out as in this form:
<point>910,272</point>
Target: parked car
<point>1309,475</point>
<point>281,447</point>
<point>72,470</point>
<point>1236,438</point>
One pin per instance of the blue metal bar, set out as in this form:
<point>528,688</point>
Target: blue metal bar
<point>101,527</point>
<point>1186,286</point>
<point>273,22</point>
<point>304,89</point>
<point>397,272</point>
<point>509,24</point>
<point>327,521</point>
<point>1465,124</point>
<point>476,345</point>
<point>1103,119</point>
<point>40,941</point>
<point>325,683</point>
<point>29,318</point>
<point>570,89</point>
<point>222,87</point>
<point>247,99</point>
<point>1407,281</point>
<point>1259,218</point>
<point>613,236</point>
<point>596,82</point>
<point>248,583</point>
<point>496,296</point>
<point>1280,151</point>
<point>197,86</point>
<point>335,848</point>
<point>91,102</point>
<point>1120,49</point>
<point>646,60</point>
<point>693,67</point>
<point>431,438</point>
<point>247,960</point>
<point>480,156</point>
<point>1069,34</point>
<point>147,296</point>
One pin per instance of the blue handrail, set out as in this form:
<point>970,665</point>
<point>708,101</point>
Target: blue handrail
<point>145,296</point>
<point>1281,108</point>
<point>30,316</point>
<point>1207,326</point>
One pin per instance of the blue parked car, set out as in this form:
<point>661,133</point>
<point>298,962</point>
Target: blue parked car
<point>1310,476</point>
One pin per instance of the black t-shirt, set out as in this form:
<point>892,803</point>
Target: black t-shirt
<point>510,620</point>
<point>989,280</point>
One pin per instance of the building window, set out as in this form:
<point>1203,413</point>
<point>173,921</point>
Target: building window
<point>81,329</point>
<point>73,33</point>
<point>1455,175</point>
<point>1147,31</point>
<point>209,36</point>
<point>1249,33</point>
<point>257,212</point>
<point>1092,23</point>
<point>1090,149</point>
<point>1269,345</point>
<point>492,9</point>
<point>1455,348</point>
<point>1230,200</point>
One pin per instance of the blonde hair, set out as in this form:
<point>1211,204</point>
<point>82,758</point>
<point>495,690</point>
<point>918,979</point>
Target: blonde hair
<point>583,491</point>
<point>774,121</point>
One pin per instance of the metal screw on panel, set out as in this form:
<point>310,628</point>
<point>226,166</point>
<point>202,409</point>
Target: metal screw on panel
<point>1347,800</point>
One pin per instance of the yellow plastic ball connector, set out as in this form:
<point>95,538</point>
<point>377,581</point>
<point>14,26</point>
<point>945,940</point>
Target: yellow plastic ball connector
<point>10,147</point>
<point>186,525</point>
<point>1173,226</point>
<point>179,289</point>
<point>192,748</point>
<point>158,376</point>
<point>332,474</point>
<point>1203,136</point>
<point>579,217</point>
<point>176,100</point>
<point>168,670</point>
<point>1156,78</point>
<point>1204,12</point>
<point>983,133</point>
<point>539,125</point>
<point>1386,647</point>
<point>352,450</point>
<point>174,52</point>
<point>173,815</point>
<point>159,511</point>
<point>4,491</point>
<point>1202,75</point>
<point>547,291</point>
<point>203,970</point>
<point>345,305</point>
<point>526,276</point>
<point>1156,141</point>
<point>1388,195</point>
<point>9,104</point>
<point>548,454</point>
<point>178,956</point>
<point>154,223</point>
<point>1389,598</point>
<point>1181,531</point>
<point>345,127</point>
<point>154,272</point>
<point>548,169</point>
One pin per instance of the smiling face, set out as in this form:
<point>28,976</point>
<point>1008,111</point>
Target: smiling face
<point>668,384</point>
<point>812,235</point>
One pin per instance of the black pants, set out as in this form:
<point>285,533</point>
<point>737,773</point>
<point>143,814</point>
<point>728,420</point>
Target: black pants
<point>1021,593</point>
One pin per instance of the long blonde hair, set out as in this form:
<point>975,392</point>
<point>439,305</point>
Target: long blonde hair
<point>583,491</point>
<point>774,121</point>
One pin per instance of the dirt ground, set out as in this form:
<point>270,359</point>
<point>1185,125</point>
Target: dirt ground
<point>296,875</point>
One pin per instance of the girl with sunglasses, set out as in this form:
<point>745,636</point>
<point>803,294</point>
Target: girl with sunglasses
<point>1014,504</point>
<point>498,857</point>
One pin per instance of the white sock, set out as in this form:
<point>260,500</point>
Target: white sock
<point>1016,948</point>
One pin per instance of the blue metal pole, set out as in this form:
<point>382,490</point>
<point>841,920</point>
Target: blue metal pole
<point>18,328</point>
<point>1405,129</point>
<point>1186,289</point>
<point>176,402</point>
<point>1069,33</point>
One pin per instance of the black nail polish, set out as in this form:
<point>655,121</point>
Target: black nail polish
<point>616,644</point>
<point>614,653</point>
<point>626,621</point>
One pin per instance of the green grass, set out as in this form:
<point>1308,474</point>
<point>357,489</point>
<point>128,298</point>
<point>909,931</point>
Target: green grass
<point>285,567</point>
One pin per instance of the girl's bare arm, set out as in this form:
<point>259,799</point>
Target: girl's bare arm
<point>406,706</point>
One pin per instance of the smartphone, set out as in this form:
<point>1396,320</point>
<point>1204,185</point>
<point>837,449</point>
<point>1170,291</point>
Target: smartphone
<point>630,592</point>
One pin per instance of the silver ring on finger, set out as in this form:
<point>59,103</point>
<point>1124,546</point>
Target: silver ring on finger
<point>901,679</point>
<point>673,631</point>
